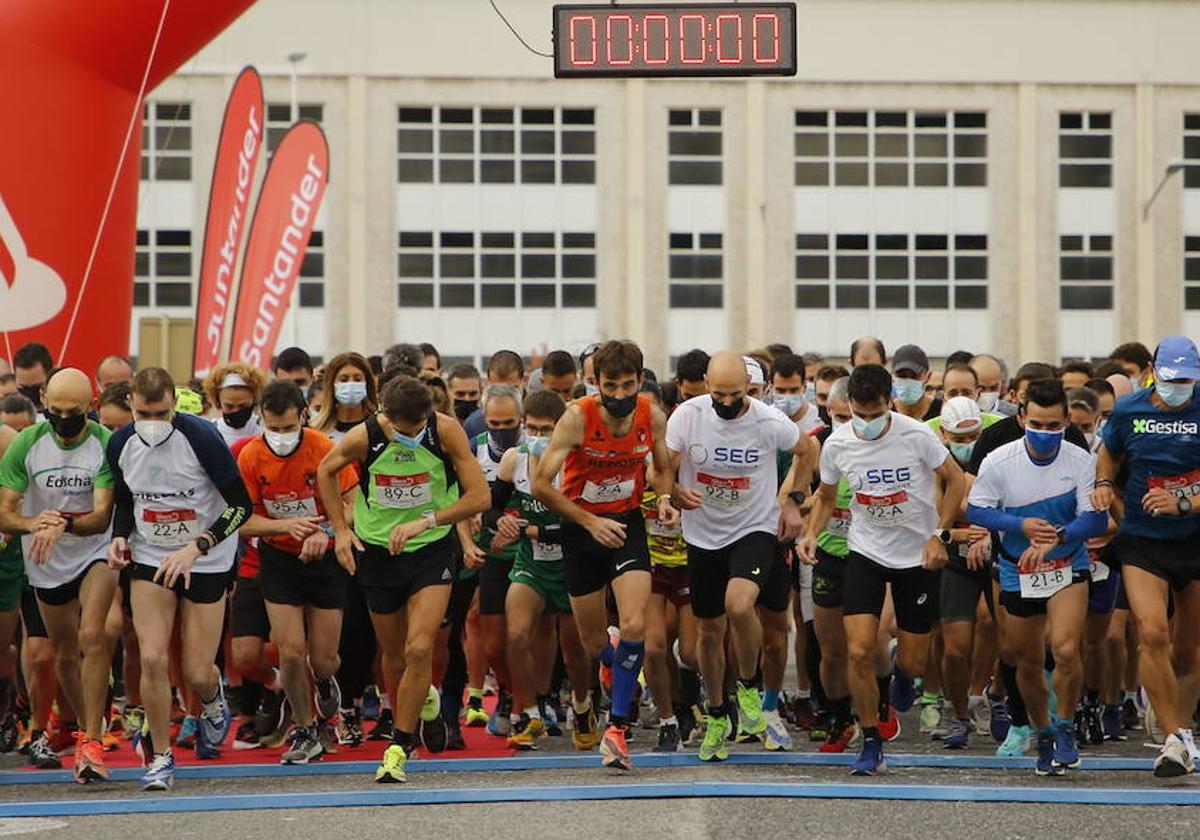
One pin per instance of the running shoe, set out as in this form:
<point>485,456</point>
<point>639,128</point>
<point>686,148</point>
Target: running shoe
<point>433,728</point>
<point>454,737</point>
<point>89,760</point>
<point>551,710</point>
<point>979,712</point>
<point>584,734</point>
<point>889,727</point>
<point>1110,719</point>
<point>820,728</point>
<point>668,738</point>
<point>371,703</point>
<point>246,737</point>
<point>1131,717</point>
<point>931,716</point>
<point>42,755</point>
<point>841,733</point>
<point>1174,759</point>
<point>499,723</point>
<point>713,747</point>
<point>384,724</point>
<point>328,695</point>
<point>804,716</point>
<point>186,737</point>
<point>1094,718</point>
<point>391,769</point>
<point>687,724</point>
<point>1016,742</point>
<point>1080,724</point>
<point>613,750</point>
<point>268,720</point>
<point>958,734</point>
<point>349,728</point>
<point>160,774</point>
<point>999,718</point>
<point>306,747</point>
<point>776,737</point>
<point>215,718</point>
<point>527,733</point>
<point>490,686</point>
<point>870,760</point>
<point>1047,746</point>
<point>903,691</point>
<point>1189,741</point>
<point>750,711</point>
<point>62,737</point>
<point>132,721</point>
<point>475,715</point>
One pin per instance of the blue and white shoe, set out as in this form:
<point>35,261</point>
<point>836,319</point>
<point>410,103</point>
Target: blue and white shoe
<point>870,760</point>
<point>160,774</point>
<point>186,737</point>
<point>776,737</point>
<point>215,719</point>
<point>903,691</point>
<point>1016,742</point>
<point>957,734</point>
<point>205,750</point>
<point>1066,751</point>
<point>1000,719</point>
<point>1046,765</point>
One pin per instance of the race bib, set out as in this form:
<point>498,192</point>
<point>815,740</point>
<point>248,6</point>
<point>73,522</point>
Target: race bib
<point>730,493</point>
<point>886,511</point>
<point>289,506</point>
<point>169,528</point>
<point>546,552</point>
<point>1041,579</point>
<point>605,492</point>
<point>839,522</point>
<point>403,492</point>
<point>1187,484</point>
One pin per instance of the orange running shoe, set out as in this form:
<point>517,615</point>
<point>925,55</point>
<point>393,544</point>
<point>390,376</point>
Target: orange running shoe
<point>889,728</point>
<point>613,750</point>
<point>89,759</point>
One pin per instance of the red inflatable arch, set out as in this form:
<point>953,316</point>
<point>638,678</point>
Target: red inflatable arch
<point>71,72</point>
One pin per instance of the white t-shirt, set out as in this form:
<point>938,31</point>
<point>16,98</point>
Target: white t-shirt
<point>892,485</point>
<point>732,463</point>
<point>231,435</point>
<point>810,419</point>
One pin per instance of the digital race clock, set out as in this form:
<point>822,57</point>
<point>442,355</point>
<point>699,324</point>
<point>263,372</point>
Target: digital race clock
<point>683,39</point>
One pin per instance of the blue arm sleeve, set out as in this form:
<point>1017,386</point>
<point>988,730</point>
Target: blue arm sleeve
<point>993,519</point>
<point>1088,524</point>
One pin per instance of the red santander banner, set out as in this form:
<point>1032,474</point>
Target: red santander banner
<point>232,182</point>
<point>283,221</point>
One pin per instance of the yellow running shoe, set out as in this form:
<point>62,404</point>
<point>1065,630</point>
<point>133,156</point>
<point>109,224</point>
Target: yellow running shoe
<point>527,736</point>
<point>584,735</point>
<point>392,768</point>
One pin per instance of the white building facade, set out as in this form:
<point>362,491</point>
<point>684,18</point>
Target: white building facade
<point>967,175</point>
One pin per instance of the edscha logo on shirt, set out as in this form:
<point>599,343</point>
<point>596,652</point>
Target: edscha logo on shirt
<point>1143,425</point>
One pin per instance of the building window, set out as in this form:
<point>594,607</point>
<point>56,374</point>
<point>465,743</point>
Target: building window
<point>279,120</point>
<point>891,149</point>
<point>167,141</point>
<point>1086,272</point>
<point>496,145</point>
<point>694,147</point>
<point>1191,151</point>
<point>163,268</point>
<point>891,271</point>
<point>1191,272</point>
<point>696,271</point>
<point>1085,145</point>
<point>496,269</point>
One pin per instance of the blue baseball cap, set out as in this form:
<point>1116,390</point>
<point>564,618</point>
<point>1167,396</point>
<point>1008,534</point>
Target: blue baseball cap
<point>1176,358</point>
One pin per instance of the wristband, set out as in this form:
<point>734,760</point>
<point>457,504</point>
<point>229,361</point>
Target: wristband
<point>328,529</point>
<point>1104,482</point>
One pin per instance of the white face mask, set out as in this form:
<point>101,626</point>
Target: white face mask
<point>153,432</point>
<point>987,401</point>
<point>282,443</point>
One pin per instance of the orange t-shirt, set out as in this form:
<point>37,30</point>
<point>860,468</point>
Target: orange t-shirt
<point>607,474</point>
<point>285,488</point>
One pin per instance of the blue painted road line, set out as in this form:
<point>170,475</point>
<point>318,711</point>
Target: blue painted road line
<point>156,804</point>
<point>573,762</point>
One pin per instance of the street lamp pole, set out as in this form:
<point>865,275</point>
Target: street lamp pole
<point>1172,167</point>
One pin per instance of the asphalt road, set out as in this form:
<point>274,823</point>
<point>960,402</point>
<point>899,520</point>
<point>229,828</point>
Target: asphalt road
<point>656,818</point>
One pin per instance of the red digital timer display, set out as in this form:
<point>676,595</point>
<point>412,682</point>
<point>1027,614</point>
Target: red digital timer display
<point>687,39</point>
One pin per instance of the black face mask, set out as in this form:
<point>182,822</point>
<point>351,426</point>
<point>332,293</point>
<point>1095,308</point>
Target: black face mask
<point>504,439</point>
<point>619,406</point>
<point>238,419</point>
<point>728,412</point>
<point>33,393</point>
<point>66,427</point>
<point>464,409</point>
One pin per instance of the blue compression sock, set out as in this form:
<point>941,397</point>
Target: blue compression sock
<point>770,701</point>
<point>606,656</point>
<point>627,666</point>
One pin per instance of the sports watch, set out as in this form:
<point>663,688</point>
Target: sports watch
<point>430,517</point>
<point>797,496</point>
<point>1185,506</point>
<point>203,543</point>
<point>944,536</point>
<point>1060,534</point>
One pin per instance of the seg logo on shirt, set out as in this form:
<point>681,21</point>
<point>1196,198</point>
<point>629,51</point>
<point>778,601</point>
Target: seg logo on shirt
<point>1144,425</point>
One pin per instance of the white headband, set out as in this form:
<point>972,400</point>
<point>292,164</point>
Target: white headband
<point>234,380</point>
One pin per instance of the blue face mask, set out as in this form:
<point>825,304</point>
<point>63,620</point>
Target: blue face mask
<point>350,393</point>
<point>810,391</point>
<point>908,391</point>
<point>537,445</point>
<point>410,442</point>
<point>789,404</point>
<point>869,429</point>
<point>1044,444</point>
<point>1174,394</point>
<point>962,452</point>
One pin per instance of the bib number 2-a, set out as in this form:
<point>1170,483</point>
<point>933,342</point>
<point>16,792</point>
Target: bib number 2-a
<point>607,491</point>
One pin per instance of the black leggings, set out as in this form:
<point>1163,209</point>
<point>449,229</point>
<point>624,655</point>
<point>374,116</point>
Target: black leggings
<point>357,646</point>
<point>455,681</point>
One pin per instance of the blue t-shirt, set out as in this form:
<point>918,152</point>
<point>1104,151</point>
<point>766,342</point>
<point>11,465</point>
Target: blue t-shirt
<point>1162,448</point>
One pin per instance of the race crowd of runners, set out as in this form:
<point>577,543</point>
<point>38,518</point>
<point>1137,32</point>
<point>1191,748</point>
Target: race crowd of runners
<point>318,556</point>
